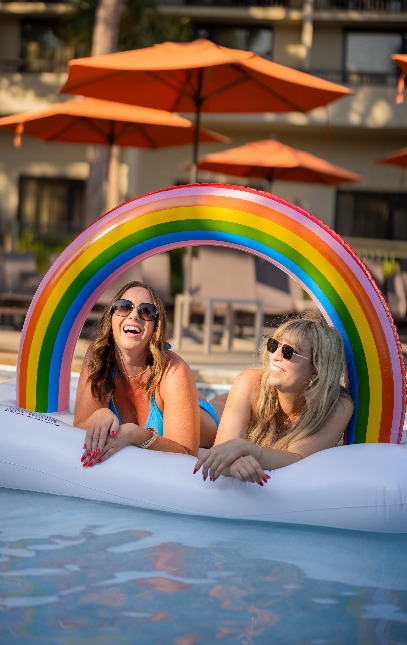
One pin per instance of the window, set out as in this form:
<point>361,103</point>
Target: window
<point>372,215</point>
<point>42,46</point>
<point>255,39</point>
<point>368,56</point>
<point>50,207</point>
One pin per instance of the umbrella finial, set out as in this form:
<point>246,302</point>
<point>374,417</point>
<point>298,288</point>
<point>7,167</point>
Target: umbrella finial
<point>18,135</point>
<point>400,89</point>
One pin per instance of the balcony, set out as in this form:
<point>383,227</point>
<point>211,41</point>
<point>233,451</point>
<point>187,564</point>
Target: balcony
<point>382,6</point>
<point>47,3</point>
<point>358,78</point>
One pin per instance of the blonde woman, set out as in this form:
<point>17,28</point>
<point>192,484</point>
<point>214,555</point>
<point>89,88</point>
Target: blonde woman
<point>133,390</point>
<point>289,408</point>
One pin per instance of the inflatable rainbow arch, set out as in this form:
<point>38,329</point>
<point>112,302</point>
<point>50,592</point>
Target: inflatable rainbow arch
<point>233,216</point>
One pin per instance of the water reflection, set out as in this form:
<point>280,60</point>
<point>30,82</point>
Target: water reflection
<point>74,571</point>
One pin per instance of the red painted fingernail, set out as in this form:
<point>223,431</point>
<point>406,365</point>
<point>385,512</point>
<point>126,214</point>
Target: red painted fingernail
<point>93,454</point>
<point>195,471</point>
<point>98,461</point>
<point>205,478</point>
<point>85,446</point>
<point>83,458</point>
<point>97,452</point>
<point>265,479</point>
<point>90,463</point>
<point>84,464</point>
<point>113,433</point>
<point>260,483</point>
<point>88,453</point>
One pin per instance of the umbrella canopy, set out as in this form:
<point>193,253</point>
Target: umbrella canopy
<point>110,123</point>
<point>106,122</point>
<point>199,77</point>
<point>401,60</point>
<point>273,160</point>
<point>396,158</point>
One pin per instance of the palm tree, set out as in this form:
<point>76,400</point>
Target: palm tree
<point>105,41</point>
<point>110,25</point>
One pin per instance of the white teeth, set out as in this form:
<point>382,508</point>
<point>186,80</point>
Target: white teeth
<point>132,328</point>
<point>275,368</point>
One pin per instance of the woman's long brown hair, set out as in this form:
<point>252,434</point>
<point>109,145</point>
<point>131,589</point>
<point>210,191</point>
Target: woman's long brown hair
<point>101,358</point>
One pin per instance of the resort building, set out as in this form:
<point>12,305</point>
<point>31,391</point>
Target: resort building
<point>346,41</point>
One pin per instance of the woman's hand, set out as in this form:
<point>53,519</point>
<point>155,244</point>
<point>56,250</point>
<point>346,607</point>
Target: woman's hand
<point>100,426</point>
<point>217,460</point>
<point>129,434</point>
<point>248,469</point>
<point>110,439</point>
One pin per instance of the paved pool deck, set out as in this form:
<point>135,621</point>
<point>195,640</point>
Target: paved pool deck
<point>218,367</point>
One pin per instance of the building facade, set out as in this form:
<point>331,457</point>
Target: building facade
<point>347,41</point>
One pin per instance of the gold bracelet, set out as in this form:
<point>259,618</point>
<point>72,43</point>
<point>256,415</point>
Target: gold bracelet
<point>154,435</point>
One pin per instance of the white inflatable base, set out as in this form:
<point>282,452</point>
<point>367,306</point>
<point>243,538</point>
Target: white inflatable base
<point>360,487</point>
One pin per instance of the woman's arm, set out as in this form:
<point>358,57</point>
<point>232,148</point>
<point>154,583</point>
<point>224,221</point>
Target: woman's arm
<point>329,434</point>
<point>104,436</point>
<point>240,452</point>
<point>181,410</point>
<point>94,417</point>
<point>326,437</point>
<point>230,442</point>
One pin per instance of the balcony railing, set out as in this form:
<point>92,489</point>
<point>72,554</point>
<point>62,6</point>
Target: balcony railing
<point>46,2</point>
<point>59,66</point>
<point>357,78</point>
<point>292,4</point>
<point>36,66</point>
<point>390,6</point>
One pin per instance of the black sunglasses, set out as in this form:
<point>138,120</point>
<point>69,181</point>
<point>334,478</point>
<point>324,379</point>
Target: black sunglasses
<point>286,350</point>
<point>146,310</point>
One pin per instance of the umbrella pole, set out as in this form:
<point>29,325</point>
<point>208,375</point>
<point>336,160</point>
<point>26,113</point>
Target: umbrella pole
<point>113,178</point>
<point>194,176</point>
<point>198,106</point>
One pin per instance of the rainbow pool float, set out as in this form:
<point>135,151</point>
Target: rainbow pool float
<point>244,219</point>
<point>360,486</point>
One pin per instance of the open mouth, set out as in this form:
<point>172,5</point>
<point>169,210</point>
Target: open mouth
<point>132,330</point>
<point>276,369</point>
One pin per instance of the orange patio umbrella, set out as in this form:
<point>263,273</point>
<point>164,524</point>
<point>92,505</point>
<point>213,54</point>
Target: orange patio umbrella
<point>106,122</point>
<point>401,60</point>
<point>396,158</point>
<point>199,77</point>
<point>270,159</point>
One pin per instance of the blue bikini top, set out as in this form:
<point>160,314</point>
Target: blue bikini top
<point>155,416</point>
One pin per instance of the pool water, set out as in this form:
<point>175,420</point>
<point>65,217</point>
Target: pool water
<point>79,572</point>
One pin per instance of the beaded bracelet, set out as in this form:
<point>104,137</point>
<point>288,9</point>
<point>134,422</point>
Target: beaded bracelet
<point>150,441</point>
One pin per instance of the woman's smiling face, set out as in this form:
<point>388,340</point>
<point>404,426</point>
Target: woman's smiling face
<point>291,375</point>
<point>132,331</point>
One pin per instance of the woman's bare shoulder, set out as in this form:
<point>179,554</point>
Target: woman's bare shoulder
<point>248,381</point>
<point>345,396</point>
<point>176,367</point>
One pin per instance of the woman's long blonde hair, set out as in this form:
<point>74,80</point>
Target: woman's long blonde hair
<point>319,397</point>
<point>101,359</point>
